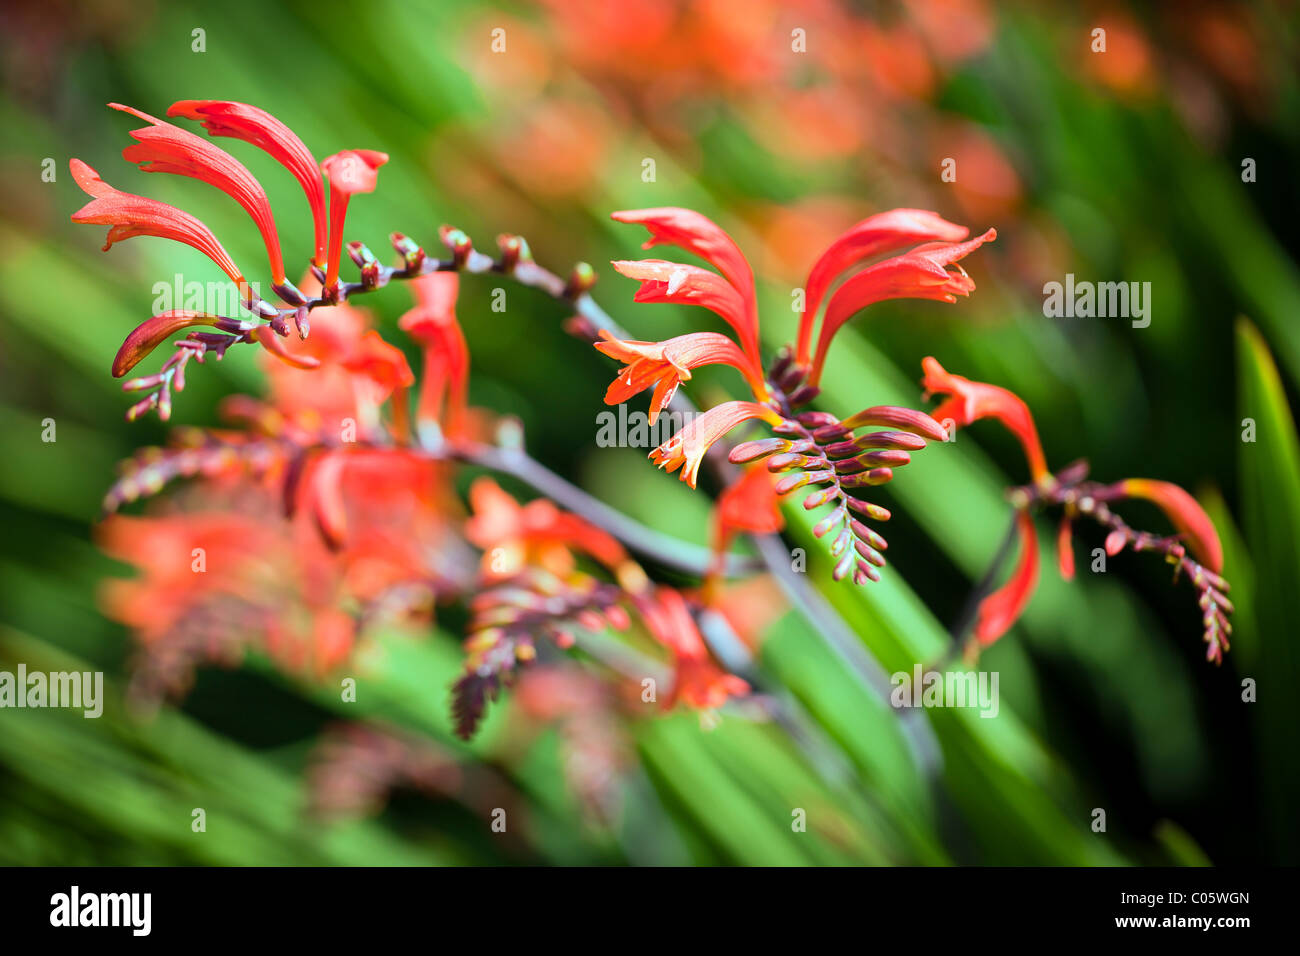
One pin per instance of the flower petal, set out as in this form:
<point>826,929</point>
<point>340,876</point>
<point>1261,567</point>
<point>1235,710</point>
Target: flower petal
<point>164,148</point>
<point>1003,607</point>
<point>873,236</point>
<point>921,273</point>
<point>256,126</point>
<point>972,401</point>
<point>131,215</point>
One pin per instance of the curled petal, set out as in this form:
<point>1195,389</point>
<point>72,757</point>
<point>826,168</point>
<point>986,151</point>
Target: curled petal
<point>1003,607</point>
<point>677,282</point>
<point>699,235</point>
<point>690,444</point>
<point>164,148</point>
<point>667,364</point>
<point>1184,513</point>
<point>873,236</point>
<point>131,216</point>
<point>256,126</point>
<point>970,401</point>
<point>920,274</point>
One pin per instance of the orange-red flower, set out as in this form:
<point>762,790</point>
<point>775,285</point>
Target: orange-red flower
<point>149,334</point>
<point>351,171</point>
<point>970,401</point>
<point>1003,607</point>
<point>873,236</point>
<point>732,299</point>
<point>689,445</point>
<point>256,126</point>
<point>130,215</point>
<point>1186,515</point>
<point>164,148</point>
<point>922,273</point>
<point>677,282</point>
<point>433,324</point>
<point>538,533</point>
<point>699,682</point>
<point>667,364</point>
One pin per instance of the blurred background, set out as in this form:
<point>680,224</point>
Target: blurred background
<point>1127,165</point>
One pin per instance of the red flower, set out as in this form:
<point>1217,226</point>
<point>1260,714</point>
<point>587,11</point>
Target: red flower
<point>351,171</point>
<point>148,335</point>
<point>699,682</point>
<point>920,274</point>
<point>432,323</point>
<point>131,216</point>
<point>663,281</point>
<point>689,445</point>
<point>256,126</point>
<point>1000,610</point>
<point>873,236</point>
<point>164,148</point>
<point>665,365</point>
<point>513,535</point>
<point>971,401</point>
<point>1184,513</point>
<point>675,282</point>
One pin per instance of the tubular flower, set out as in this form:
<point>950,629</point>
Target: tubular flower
<point>350,172</point>
<point>665,365</point>
<point>689,445</point>
<point>432,323</point>
<point>148,335</point>
<point>970,401</point>
<point>690,285</point>
<point>1003,607</point>
<point>1183,511</point>
<point>676,282</point>
<point>164,148</point>
<point>256,126</point>
<point>131,216</point>
<point>873,236</point>
<point>922,273</point>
